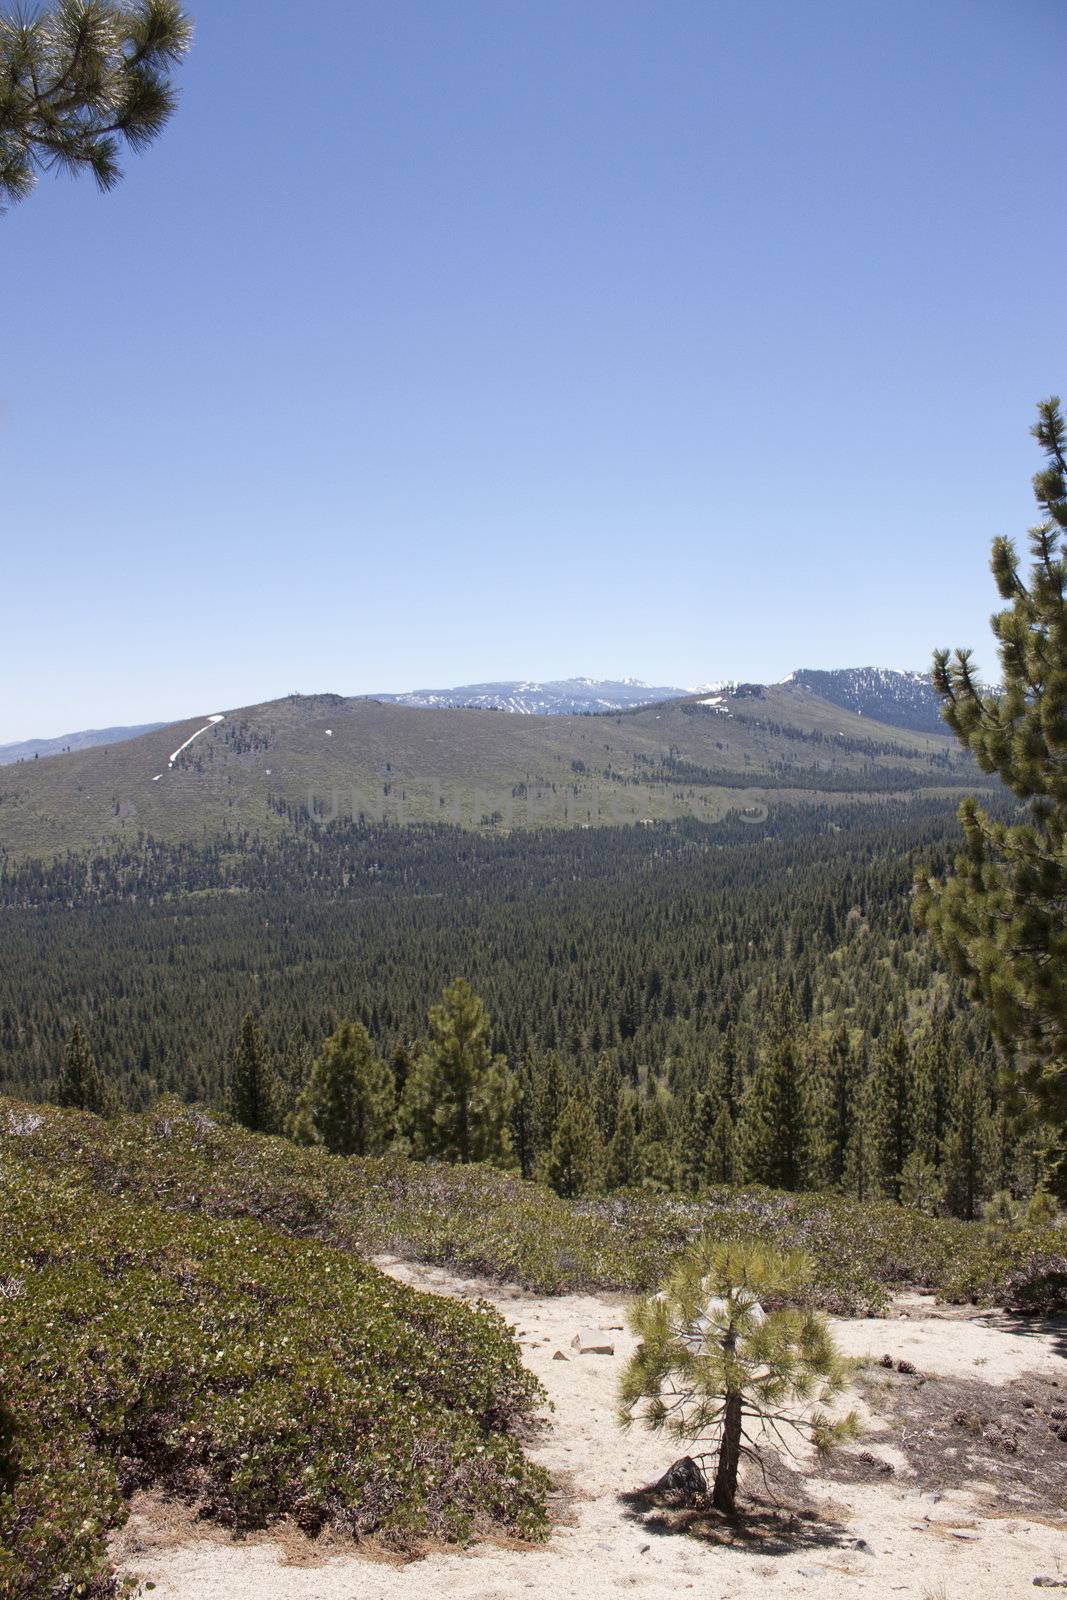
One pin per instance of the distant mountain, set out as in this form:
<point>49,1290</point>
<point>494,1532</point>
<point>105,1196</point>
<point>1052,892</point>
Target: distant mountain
<point>899,699</point>
<point>268,769</point>
<point>27,749</point>
<point>562,697</point>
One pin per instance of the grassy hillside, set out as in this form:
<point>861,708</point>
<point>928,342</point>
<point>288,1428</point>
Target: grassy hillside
<point>263,765</point>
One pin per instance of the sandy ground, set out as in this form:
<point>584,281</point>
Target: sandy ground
<point>879,1538</point>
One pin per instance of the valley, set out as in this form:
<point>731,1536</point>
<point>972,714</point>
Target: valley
<point>471,1126</point>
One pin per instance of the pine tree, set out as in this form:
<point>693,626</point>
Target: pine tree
<point>457,1100</point>
<point>621,1166</point>
<point>841,1091</point>
<point>714,1368</point>
<point>722,1149</point>
<point>80,1085</point>
<point>920,1186</point>
<point>772,1126</point>
<point>966,1168</point>
<point>1001,919</point>
<point>293,1069</point>
<point>252,1092</point>
<point>860,1178</point>
<point>550,1093</point>
<point>574,1166</point>
<point>78,77</point>
<point>695,1122</point>
<point>607,1095</point>
<point>926,1101</point>
<point>891,1113</point>
<point>820,1156</point>
<point>1004,1146</point>
<point>348,1102</point>
<point>656,1168</point>
<point>522,1139</point>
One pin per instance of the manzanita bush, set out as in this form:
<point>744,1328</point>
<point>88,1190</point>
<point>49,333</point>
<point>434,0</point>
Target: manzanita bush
<point>190,1306</point>
<point>251,1373</point>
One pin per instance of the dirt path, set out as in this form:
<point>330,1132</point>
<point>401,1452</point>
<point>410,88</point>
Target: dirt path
<point>872,1539</point>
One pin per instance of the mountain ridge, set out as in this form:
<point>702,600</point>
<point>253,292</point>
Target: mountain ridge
<point>896,698</point>
<point>259,770</point>
<point>546,698</point>
<point>65,743</point>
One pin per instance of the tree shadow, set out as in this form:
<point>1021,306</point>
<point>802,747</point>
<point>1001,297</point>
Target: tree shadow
<point>1026,1325</point>
<point>763,1524</point>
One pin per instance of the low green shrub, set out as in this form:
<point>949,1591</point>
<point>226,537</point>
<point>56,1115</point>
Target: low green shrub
<point>254,1374</point>
<point>187,1305</point>
<point>482,1220</point>
<point>1023,1270</point>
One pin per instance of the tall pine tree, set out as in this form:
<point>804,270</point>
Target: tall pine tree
<point>891,1113</point>
<point>1001,918</point>
<point>772,1125</point>
<point>457,1100</point>
<point>967,1167</point>
<point>621,1166</point>
<point>80,1084</point>
<point>348,1102</point>
<point>575,1163</point>
<point>252,1092</point>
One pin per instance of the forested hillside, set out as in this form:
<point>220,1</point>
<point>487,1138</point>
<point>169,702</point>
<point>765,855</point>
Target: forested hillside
<point>895,699</point>
<point>727,1001</point>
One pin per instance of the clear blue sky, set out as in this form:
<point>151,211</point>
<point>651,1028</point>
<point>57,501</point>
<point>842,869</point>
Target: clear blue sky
<point>441,340</point>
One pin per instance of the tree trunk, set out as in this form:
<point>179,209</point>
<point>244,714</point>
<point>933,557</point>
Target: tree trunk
<point>724,1494</point>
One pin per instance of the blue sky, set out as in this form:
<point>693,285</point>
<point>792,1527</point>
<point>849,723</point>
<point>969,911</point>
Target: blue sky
<point>442,340</point>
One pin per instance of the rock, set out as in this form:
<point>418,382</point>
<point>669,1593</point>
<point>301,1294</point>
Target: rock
<point>684,1477</point>
<point>1050,1583</point>
<point>591,1344</point>
<point>861,1544</point>
<point>559,1356</point>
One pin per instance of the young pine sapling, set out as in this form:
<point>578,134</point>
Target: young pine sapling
<point>715,1368</point>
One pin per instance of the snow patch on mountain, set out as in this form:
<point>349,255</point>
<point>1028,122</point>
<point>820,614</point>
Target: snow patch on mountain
<point>553,698</point>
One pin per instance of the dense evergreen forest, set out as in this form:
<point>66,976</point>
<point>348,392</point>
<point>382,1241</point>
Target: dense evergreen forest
<point>680,1004</point>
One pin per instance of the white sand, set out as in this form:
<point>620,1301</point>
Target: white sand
<point>917,1544</point>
